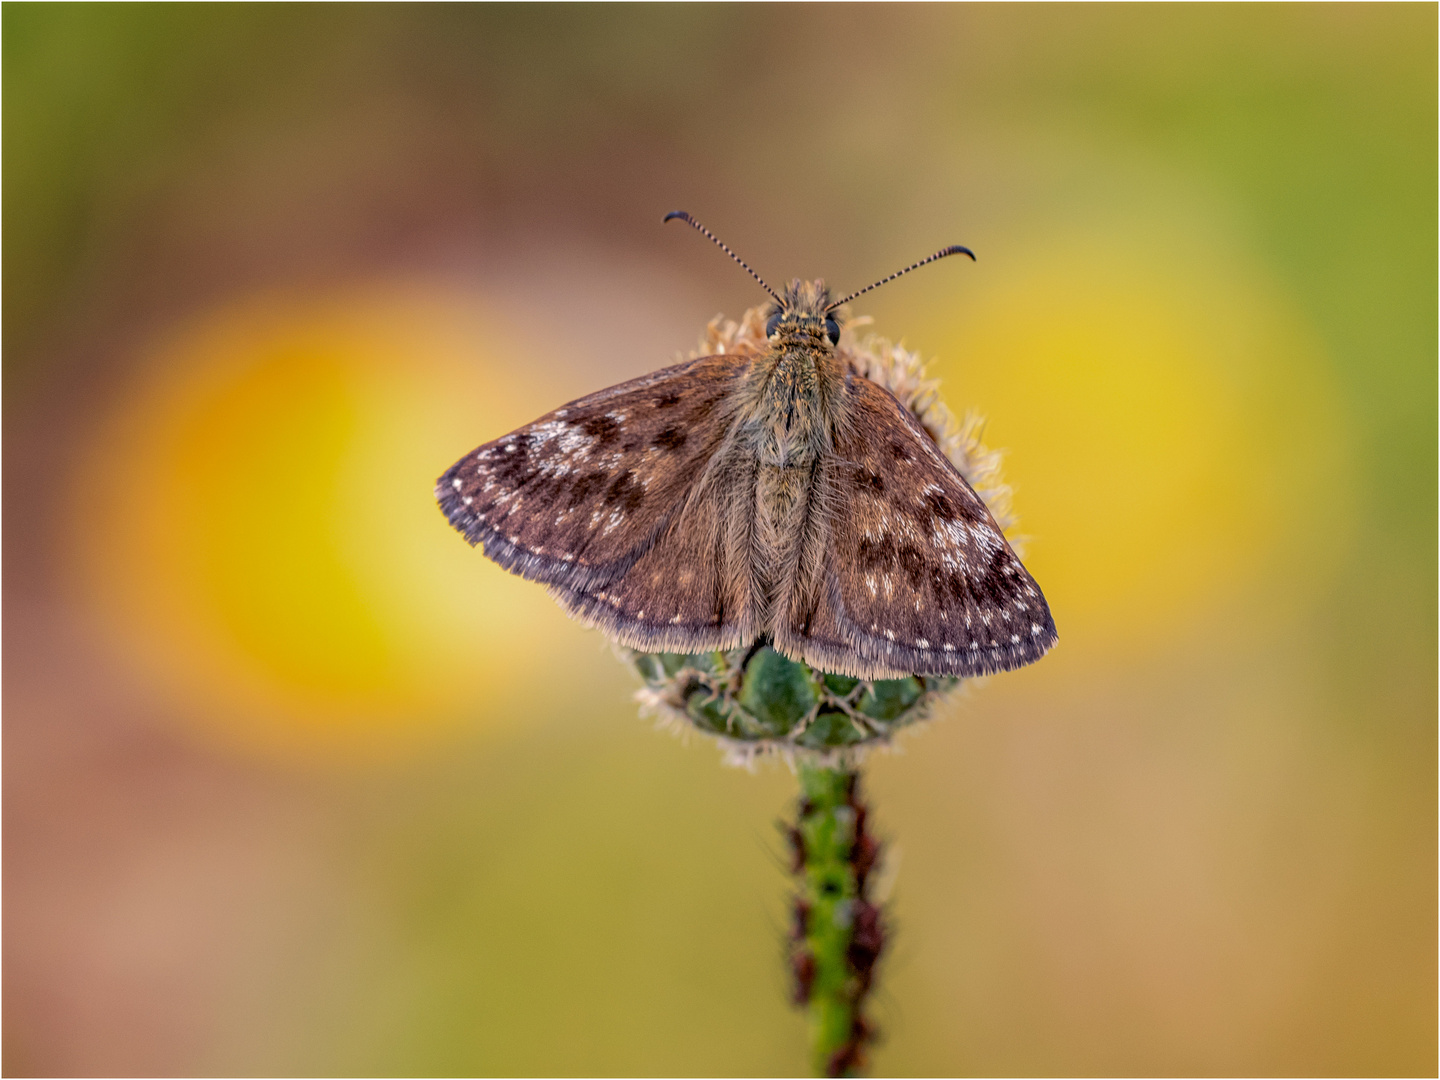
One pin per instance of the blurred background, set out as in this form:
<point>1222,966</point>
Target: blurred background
<point>296,782</point>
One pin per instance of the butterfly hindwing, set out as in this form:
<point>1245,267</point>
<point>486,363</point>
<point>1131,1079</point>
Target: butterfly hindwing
<point>919,578</point>
<point>579,496</point>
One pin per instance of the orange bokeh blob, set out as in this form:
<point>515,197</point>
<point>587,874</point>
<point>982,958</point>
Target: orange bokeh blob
<point>274,559</point>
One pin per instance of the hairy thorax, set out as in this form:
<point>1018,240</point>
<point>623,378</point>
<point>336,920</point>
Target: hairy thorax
<point>792,421</point>
<point>796,386</point>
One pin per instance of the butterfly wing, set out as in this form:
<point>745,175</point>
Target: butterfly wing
<point>589,498</point>
<point>691,590</point>
<point>918,576</point>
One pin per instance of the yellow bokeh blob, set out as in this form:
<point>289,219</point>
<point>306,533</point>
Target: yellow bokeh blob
<point>1173,431</point>
<point>272,556</point>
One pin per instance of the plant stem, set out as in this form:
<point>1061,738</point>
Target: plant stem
<point>838,933</point>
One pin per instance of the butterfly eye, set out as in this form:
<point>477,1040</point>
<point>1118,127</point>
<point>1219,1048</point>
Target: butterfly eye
<point>772,325</point>
<point>832,331</point>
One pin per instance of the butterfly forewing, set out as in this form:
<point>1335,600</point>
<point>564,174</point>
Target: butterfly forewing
<point>919,578</point>
<point>578,497</point>
<point>690,590</point>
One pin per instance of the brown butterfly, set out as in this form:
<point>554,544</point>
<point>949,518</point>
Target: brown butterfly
<point>773,496</point>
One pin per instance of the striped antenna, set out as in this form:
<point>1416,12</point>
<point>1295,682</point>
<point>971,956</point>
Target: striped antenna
<point>683,216</point>
<point>953,249</point>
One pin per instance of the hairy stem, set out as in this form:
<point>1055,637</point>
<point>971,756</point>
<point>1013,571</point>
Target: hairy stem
<point>838,933</point>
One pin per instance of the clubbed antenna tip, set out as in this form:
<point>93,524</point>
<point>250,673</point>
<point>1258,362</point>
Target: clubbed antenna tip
<point>953,249</point>
<point>685,217</point>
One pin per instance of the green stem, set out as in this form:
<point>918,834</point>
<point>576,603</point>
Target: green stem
<point>838,932</point>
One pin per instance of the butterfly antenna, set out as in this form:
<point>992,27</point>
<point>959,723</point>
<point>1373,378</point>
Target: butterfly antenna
<point>683,216</point>
<point>953,249</point>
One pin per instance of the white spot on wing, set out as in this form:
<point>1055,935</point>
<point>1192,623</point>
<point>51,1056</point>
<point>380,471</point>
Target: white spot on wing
<point>987,540</point>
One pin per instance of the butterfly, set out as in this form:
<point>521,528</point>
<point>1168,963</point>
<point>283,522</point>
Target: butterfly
<point>770,496</point>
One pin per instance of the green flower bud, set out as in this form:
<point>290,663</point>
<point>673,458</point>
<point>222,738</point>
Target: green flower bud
<point>756,702</point>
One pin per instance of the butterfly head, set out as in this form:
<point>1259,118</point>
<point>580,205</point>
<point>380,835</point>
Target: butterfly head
<point>802,317</point>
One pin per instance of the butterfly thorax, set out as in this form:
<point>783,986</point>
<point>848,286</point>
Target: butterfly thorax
<point>797,383</point>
